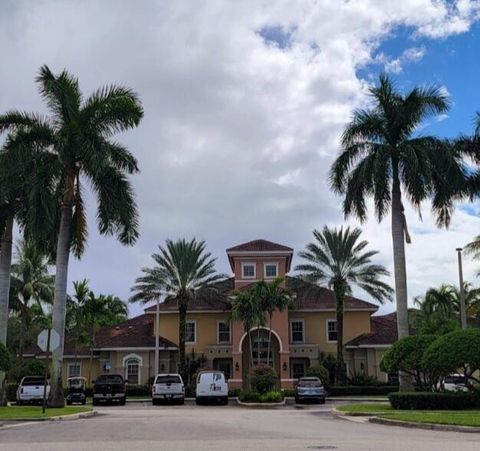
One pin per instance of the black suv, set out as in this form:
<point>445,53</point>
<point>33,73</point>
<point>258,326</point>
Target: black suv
<point>108,388</point>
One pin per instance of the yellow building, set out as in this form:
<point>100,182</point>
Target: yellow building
<point>300,335</point>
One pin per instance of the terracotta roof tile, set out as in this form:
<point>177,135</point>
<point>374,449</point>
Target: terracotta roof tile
<point>384,332</point>
<point>259,246</point>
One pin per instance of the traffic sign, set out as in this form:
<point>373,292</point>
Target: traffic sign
<point>42,340</point>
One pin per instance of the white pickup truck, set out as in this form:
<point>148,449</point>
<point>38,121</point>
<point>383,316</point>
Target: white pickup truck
<point>168,387</point>
<point>30,390</point>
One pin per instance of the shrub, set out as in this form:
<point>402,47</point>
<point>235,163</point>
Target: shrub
<point>263,378</point>
<point>319,371</point>
<point>5,358</point>
<point>30,367</point>
<point>407,355</point>
<point>272,396</point>
<point>456,350</point>
<point>434,401</point>
<point>289,393</point>
<point>361,379</point>
<point>234,392</point>
<point>349,390</point>
<point>190,391</point>
<point>11,391</point>
<point>138,390</point>
<point>249,396</point>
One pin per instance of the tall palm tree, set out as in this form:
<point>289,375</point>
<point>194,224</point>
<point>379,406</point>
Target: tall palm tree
<point>31,282</point>
<point>246,308</point>
<point>274,298</point>
<point>338,259</point>
<point>78,136</point>
<point>383,155</point>
<point>183,270</point>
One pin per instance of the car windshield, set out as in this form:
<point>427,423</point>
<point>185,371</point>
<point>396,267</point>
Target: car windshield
<point>309,382</point>
<point>109,379</point>
<point>168,379</point>
<point>33,381</point>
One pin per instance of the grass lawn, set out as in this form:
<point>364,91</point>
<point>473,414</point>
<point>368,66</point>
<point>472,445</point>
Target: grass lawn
<point>35,412</point>
<point>455,417</point>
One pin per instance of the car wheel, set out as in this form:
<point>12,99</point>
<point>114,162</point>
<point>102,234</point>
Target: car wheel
<point>297,401</point>
<point>95,402</point>
<point>84,402</point>
<point>69,403</point>
<point>155,402</point>
<point>181,402</point>
<point>123,401</point>
<point>198,402</point>
<point>19,403</point>
<point>322,401</point>
<point>225,401</point>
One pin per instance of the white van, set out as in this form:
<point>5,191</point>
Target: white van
<point>211,386</point>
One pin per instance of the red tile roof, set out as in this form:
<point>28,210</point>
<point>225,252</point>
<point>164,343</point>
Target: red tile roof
<point>260,246</point>
<point>384,332</point>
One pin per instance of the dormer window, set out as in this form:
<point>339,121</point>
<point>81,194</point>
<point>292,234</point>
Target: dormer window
<point>271,270</point>
<point>248,270</point>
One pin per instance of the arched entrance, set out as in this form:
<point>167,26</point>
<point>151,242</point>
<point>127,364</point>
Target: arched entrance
<point>258,353</point>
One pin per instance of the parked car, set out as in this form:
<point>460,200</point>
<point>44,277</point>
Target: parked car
<point>310,389</point>
<point>76,390</point>
<point>455,382</point>
<point>211,386</point>
<point>30,390</point>
<point>108,388</point>
<point>168,387</point>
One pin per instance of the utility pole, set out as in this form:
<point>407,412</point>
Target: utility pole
<point>157,337</point>
<point>463,313</point>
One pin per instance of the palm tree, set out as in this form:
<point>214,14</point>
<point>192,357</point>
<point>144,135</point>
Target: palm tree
<point>31,281</point>
<point>338,260</point>
<point>78,136</point>
<point>182,271</point>
<point>246,308</point>
<point>383,154</point>
<point>274,297</point>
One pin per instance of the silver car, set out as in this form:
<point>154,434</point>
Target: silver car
<point>310,389</point>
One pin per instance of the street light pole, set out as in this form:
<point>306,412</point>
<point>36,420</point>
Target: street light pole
<point>463,313</point>
<point>157,337</point>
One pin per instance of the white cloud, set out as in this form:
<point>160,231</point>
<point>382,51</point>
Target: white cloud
<point>238,134</point>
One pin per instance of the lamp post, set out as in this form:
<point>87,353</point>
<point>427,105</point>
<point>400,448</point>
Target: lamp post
<point>463,313</point>
<point>157,337</point>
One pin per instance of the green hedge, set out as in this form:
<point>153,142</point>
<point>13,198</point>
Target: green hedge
<point>434,401</point>
<point>360,390</point>
<point>234,392</point>
<point>11,392</point>
<point>139,390</point>
<point>254,397</point>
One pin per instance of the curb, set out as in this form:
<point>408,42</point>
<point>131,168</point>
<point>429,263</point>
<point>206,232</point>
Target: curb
<point>70,417</point>
<point>260,405</point>
<point>428,426</point>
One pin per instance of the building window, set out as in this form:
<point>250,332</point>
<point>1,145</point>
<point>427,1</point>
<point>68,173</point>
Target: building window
<point>190,336</point>
<point>331,330</point>
<point>248,270</point>
<point>223,332</point>
<point>271,270</point>
<point>298,369</point>
<point>132,371</point>
<point>74,370</point>
<point>297,331</point>
<point>260,350</point>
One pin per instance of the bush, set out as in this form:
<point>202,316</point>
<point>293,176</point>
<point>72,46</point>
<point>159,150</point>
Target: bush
<point>407,355</point>
<point>319,371</point>
<point>5,358</point>
<point>138,390</point>
<point>190,391</point>
<point>434,401</point>
<point>30,367</point>
<point>263,378</point>
<point>288,392</point>
<point>272,396</point>
<point>11,392</point>
<point>361,379</point>
<point>249,396</point>
<point>455,350</point>
<point>349,390</point>
<point>234,392</point>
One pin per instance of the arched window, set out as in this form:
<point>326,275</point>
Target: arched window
<point>132,364</point>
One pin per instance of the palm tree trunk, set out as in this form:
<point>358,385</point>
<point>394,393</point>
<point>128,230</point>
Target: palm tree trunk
<point>339,291</point>
<point>5,266</point>
<point>59,303</point>
<point>182,329</point>
<point>400,271</point>
<point>92,345</point>
<point>269,338</point>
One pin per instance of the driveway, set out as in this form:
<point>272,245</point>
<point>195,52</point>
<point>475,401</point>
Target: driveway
<point>197,428</point>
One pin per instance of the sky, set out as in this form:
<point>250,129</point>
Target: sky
<point>244,105</point>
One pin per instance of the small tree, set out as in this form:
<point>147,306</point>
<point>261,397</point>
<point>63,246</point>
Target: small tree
<point>5,364</point>
<point>263,378</point>
<point>456,351</point>
<point>406,355</point>
<point>319,371</point>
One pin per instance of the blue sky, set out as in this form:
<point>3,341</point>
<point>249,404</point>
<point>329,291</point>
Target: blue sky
<point>451,62</point>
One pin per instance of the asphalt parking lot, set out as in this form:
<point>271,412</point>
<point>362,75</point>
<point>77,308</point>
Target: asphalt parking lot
<point>141,426</point>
